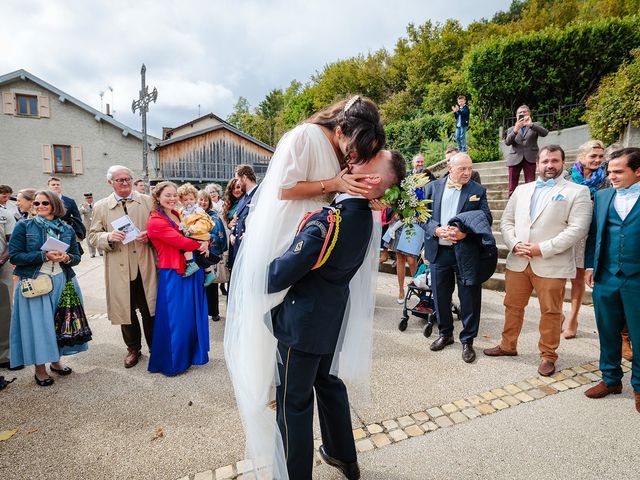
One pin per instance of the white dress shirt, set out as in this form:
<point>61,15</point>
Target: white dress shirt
<point>625,203</point>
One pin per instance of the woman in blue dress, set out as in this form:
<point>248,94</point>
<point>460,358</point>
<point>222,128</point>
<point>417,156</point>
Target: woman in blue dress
<point>181,328</point>
<point>33,337</point>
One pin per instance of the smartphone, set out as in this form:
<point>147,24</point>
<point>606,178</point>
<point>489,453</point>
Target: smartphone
<point>521,116</point>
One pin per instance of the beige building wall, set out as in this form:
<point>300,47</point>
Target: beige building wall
<point>23,162</point>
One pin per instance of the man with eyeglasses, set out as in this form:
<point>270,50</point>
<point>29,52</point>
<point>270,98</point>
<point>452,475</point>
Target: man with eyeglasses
<point>130,270</point>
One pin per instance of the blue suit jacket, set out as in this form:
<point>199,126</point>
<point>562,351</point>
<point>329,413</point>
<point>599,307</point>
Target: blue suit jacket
<point>242,212</point>
<point>310,316</point>
<point>433,192</point>
<point>72,207</point>
<point>595,240</point>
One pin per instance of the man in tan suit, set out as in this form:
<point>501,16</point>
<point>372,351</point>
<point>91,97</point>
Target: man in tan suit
<point>542,222</point>
<point>129,269</point>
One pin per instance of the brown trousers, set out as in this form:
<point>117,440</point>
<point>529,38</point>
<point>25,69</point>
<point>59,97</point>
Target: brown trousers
<point>550,292</point>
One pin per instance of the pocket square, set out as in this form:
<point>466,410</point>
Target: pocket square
<point>558,197</point>
<point>474,198</point>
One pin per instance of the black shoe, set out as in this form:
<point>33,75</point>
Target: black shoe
<point>61,371</point>
<point>215,318</point>
<point>47,382</point>
<point>440,343</point>
<point>8,366</point>
<point>468,353</point>
<point>349,470</point>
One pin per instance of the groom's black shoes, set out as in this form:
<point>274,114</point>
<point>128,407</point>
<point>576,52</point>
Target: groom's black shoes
<point>349,470</point>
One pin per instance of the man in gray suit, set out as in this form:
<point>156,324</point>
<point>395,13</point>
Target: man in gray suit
<point>523,140</point>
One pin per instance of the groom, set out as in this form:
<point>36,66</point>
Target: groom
<point>326,253</point>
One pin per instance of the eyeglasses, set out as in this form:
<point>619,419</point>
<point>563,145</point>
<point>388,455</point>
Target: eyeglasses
<point>44,204</point>
<point>122,180</point>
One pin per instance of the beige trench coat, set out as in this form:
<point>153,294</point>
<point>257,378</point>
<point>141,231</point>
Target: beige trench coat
<point>121,262</point>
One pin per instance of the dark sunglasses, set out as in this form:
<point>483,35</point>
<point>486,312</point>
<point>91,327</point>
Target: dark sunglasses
<point>44,204</point>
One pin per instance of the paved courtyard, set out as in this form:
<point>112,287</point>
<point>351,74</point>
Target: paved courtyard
<point>430,415</point>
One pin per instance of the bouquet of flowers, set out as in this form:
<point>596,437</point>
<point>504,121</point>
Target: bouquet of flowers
<point>407,200</point>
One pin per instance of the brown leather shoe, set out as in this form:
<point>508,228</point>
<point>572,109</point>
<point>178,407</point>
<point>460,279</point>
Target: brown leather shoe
<point>132,358</point>
<point>601,390</point>
<point>546,368</point>
<point>637,395</point>
<point>497,351</point>
<point>627,352</point>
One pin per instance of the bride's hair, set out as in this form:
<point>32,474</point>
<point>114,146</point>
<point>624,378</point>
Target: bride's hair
<point>359,120</point>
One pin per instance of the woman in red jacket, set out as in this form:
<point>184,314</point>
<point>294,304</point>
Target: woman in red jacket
<point>181,329</point>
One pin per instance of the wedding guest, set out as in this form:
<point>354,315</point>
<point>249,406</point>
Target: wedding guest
<point>7,224</point>
<point>458,236</point>
<point>139,185</point>
<point>247,179</point>
<point>523,140</point>
<point>217,247</point>
<point>33,336</point>
<point>540,226</point>
<point>24,201</point>
<point>86,210</point>
<point>232,196</point>
<point>5,200</point>
<point>627,350</point>
<point>614,271</point>
<point>72,215</point>
<point>129,269</point>
<point>590,172</point>
<point>215,192</point>
<point>181,331</point>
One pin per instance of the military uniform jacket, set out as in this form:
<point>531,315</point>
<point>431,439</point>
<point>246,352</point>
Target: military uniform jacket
<point>318,267</point>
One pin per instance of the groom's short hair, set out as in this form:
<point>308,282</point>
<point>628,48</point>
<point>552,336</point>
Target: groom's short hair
<point>394,172</point>
<point>246,171</point>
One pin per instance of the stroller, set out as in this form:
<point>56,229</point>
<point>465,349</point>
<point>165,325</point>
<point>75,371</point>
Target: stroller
<point>419,301</point>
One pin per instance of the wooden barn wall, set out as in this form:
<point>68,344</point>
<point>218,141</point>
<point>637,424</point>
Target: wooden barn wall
<point>212,156</point>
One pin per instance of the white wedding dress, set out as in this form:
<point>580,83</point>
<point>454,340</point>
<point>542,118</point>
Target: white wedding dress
<point>303,154</point>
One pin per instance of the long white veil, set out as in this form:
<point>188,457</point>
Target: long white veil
<point>249,345</point>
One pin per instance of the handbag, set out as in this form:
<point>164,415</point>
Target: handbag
<point>36,287</point>
<point>70,321</point>
<point>221,270</point>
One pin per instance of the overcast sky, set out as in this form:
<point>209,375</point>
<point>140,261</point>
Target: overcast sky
<point>202,52</point>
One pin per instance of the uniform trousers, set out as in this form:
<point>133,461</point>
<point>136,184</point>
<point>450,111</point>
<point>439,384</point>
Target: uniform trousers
<point>550,292</point>
<point>300,374</point>
<point>616,298</point>
<point>131,333</point>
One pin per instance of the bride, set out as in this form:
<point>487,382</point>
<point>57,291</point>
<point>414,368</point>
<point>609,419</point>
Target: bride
<point>310,164</point>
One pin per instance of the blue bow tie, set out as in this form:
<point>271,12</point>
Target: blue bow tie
<point>635,188</point>
<point>548,184</point>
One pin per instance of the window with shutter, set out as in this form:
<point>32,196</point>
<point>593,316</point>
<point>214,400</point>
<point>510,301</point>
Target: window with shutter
<point>47,164</point>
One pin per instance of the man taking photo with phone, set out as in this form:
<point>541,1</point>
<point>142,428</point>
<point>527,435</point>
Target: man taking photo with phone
<point>523,140</point>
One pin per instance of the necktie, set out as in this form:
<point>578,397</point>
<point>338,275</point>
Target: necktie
<point>124,205</point>
<point>452,184</point>
<point>548,184</point>
<point>635,188</point>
